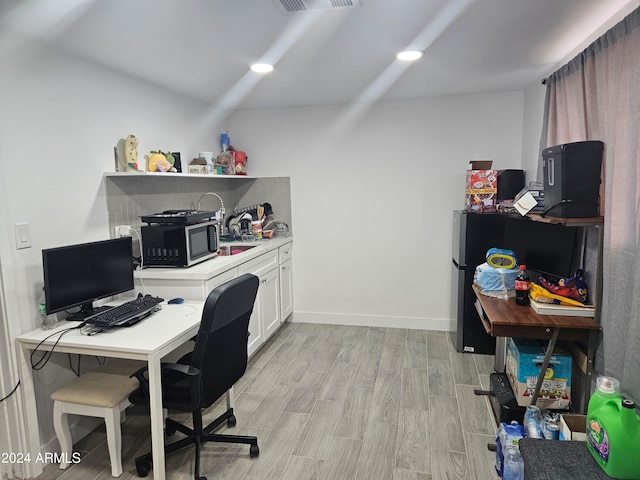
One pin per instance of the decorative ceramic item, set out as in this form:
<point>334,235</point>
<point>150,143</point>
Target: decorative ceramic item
<point>225,161</point>
<point>126,154</point>
<point>240,162</point>
<point>198,166</point>
<point>131,153</point>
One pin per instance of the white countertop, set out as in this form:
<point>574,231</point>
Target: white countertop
<point>215,266</point>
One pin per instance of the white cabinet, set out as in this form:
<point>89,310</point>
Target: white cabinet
<point>218,280</point>
<point>187,288</point>
<point>269,302</point>
<point>256,335</point>
<point>269,261</point>
<point>265,318</point>
<point>286,281</point>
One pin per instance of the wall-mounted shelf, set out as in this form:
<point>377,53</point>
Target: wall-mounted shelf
<point>175,175</point>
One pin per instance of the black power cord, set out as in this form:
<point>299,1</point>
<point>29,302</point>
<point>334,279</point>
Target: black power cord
<point>46,356</point>
<point>11,392</point>
<point>44,359</point>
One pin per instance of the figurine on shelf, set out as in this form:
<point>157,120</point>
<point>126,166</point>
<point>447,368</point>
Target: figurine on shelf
<point>225,162</point>
<point>239,161</point>
<point>159,161</point>
<point>127,148</point>
<point>198,166</point>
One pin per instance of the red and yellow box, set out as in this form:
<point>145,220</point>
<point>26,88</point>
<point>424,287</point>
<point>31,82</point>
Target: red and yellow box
<point>481,187</point>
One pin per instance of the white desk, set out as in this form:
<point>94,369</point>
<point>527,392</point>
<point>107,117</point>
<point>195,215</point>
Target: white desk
<point>149,340</point>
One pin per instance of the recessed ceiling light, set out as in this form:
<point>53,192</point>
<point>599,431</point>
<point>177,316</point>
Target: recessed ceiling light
<point>409,55</point>
<point>261,67</point>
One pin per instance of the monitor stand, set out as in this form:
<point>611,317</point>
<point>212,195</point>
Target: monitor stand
<point>86,312</point>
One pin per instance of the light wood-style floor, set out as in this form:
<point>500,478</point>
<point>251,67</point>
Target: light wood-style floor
<point>336,403</point>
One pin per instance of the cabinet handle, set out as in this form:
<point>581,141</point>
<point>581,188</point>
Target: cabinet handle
<point>284,268</point>
<point>264,280</point>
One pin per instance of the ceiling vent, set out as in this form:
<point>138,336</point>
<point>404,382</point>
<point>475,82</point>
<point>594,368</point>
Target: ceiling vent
<point>293,6</point>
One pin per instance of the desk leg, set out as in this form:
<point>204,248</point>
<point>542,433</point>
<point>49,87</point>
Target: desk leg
<point>156,413</point>
<point>545,364</point>
<point>27,392</point>
<point>591,355</point>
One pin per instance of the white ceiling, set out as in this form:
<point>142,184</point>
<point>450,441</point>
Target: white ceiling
<point>203,48</point>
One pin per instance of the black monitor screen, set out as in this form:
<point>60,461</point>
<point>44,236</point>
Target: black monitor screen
<point>542,247</point>
<point>76,275</point>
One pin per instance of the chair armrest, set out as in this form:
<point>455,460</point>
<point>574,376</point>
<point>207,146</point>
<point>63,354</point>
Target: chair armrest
<point>175,368</point>
<point>181,368</point>
<point>144,382</point>
<point>193,375</point>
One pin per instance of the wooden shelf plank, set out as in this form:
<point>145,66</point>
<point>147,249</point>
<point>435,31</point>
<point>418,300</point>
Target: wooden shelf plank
<point>576,222</point>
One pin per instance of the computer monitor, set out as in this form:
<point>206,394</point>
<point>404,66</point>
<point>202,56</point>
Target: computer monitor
<point>544,248</point>
<point>78,275</point>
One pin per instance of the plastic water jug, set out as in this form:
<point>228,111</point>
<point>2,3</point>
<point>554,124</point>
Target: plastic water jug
<point>613,433</point>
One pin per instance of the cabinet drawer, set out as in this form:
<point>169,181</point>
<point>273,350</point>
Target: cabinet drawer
<point>219,280</point>
<point>260,265</point>
<point>285,252</point>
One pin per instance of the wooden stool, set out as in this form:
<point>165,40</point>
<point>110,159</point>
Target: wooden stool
<point>102,393</point>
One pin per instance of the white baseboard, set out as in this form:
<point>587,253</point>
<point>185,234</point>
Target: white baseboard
<point>360,320</point>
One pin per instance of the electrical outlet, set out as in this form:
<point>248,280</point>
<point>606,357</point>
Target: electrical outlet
<point>123,231</point>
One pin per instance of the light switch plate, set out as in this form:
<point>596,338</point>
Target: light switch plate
<point>23,235</point>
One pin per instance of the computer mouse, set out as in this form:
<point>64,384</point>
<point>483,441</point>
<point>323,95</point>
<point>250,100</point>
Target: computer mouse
<point>177,300</point>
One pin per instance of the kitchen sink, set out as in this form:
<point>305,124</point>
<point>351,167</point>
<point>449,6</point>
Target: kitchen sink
<point>226,250</point>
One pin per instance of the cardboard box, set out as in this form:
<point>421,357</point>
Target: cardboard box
<point>481,187</point>
<point>531,199</point>
<point>573,427</point>
<point>523,362</point>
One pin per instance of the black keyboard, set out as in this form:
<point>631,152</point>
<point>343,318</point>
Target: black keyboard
<point>127,314</point>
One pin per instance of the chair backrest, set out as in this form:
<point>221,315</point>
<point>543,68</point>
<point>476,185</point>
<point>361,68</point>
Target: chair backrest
<point>220,352</point>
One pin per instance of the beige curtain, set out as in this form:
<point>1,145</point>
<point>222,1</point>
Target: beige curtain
<point>596,96</point>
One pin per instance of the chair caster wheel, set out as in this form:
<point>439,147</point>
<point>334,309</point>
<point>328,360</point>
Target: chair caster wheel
<point>254,451</point>
<point>143,469</point>
<point>231,421</point>
<point>169,431</point>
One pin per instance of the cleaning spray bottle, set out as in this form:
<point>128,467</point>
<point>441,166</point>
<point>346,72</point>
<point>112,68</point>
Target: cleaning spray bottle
<point>613,431</point>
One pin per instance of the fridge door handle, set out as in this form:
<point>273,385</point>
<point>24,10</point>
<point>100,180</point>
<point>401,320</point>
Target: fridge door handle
<point>458,265</point>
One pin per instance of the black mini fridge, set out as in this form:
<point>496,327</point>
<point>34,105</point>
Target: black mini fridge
<point>473,235</point>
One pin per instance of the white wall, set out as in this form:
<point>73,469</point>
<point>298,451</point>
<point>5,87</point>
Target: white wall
<point>373,195</point>
<point>531,131</point>
<point>61,118</point>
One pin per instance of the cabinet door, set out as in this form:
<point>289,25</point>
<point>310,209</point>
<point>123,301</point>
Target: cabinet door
<point>286,290</point>
<point>270,302</point>
<point>256,335</point>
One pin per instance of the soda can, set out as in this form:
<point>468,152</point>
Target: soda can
<point>551,431</point>
<point>532,413</point>
<point>533,428</point>
<point>551,426</point>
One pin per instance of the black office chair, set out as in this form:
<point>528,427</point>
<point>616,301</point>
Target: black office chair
<point>201,377</point>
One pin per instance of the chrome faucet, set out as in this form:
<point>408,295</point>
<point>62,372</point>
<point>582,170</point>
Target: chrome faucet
<point>220,213</point>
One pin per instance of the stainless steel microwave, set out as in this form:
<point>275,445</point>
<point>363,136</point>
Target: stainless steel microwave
<point>170,245</point>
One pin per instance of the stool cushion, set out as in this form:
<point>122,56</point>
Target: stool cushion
<point>97,389</point>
